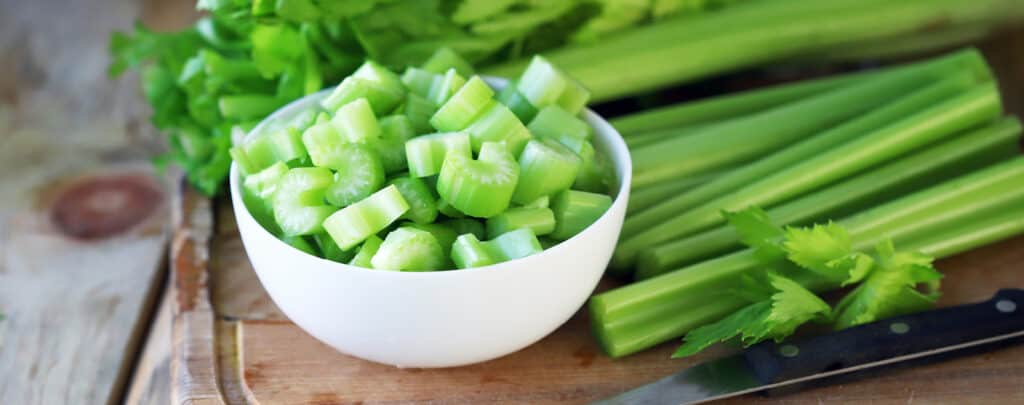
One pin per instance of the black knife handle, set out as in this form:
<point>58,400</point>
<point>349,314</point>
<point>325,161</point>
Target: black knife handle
<point>885,339</point>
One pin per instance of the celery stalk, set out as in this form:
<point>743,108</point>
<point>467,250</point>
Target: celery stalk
<point>973,107</point>
<point>889,112</point>
<point>645,313</point>
<point>962,154</point>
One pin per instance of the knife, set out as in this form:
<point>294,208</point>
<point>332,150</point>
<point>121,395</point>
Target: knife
<point>770,366</point>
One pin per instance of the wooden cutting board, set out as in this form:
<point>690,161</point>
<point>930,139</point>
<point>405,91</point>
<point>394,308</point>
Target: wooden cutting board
<point>231,344</point>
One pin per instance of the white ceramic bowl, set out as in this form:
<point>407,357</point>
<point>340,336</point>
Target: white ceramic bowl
<point>445,318</point>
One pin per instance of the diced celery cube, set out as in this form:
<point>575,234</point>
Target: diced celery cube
<point>356,122</point>
<point>456,113</point>
<point>498,124</point>
<point>425,154</point>
<point>576,210</point>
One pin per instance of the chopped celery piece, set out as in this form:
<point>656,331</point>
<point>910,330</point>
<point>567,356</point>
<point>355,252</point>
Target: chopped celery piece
<point>287,144</point>
<point>542,84</point>
<point>516,102</point>
<point>254,154</point>
<point>354,223</point>
<point>380,76</point>
<point>575,96</point>
<point>463,106</point>
<point>445,59</point>
<point>539,220</point>
<point>262,211</point>
<point>330,250</point>
<point>419,110</point>
<point>418,81</point>
<point>395,130</point>
<point>448,210</point>
<point>354,88</point>
<point>545,167</point>
<point>556,123</point>
<point>322,141</point>
<point>576,210</point>
<point>444,235</point>
<point>300,243</point>
<point>595,174</point>
<point>445,86</point>
<point>356,122</point>
<point>409,249</point>
<point>299,207</point>
<point>547,243</point>
<point>480,188</point>
<point>542,202</point>
<point>468,251</point>
<point>422,204</point>
<point>426,154</point>
<point>264,183</point>
<point>359,173</point>
<point>366,252</point>
<point>466,225</point>
<point>496,123</point>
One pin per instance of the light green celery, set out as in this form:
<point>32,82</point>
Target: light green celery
<point>254,154</point>
<point>576,210</point>
<point>516,102</point>
<point>646,197</point>
<point>443,233</point>
<point>422,203</point>
<point>366,252</point>
<point>359,173</point>
<point>445,86</point>
<point>382,77</point>
<point>419,110</point>
<point>750,137</point>
<point>662,135</point>
<point>884,114</point>
<point>418,81</point>
<point>426,154</point>
<point>976,106</point>
<point>395,130</point>
<point>466,225</point>
<point>330,250</point>
<point>963,153</point>
<point>545,167</point>
<point>264,183</point>
<point>354,88</point>
<point>448,210</point>
<point>445,59</point>
<point>543,202</point>
<point>646,313</point>
<point>541,83</point>
<point>409,249</point>
<point>758,32</point>
<point>481,188</point>
<point>496,123</point>
<point>468,251</point>
<point>355,122</point>
<point>354,223</point>
<point>727,106</point>
<point>287,144</point>
<point>248,106</point>
<point>300,243</point>
<point>574,97</point>
<point>298,203</point>
<point>540,220</point>
<point>458,111</point>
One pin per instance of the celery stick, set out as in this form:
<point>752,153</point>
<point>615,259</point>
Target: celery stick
<point>973,107</point>
<point>924,168</point>
<point>645,313</point>
<point>728,106</point>
<point>650,57</point>
<point>645,197</point>
<point>885,114</point>
<point>750,137</point>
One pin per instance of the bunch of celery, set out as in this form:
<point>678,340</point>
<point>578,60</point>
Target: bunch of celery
<point>248,57</point>
<point>918,153</point>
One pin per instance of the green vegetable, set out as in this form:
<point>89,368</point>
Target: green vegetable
<point>540,220</point>
<point>355,122</point>
<point>468,251</point>
<point>457,113</point>
<point>517,102</point>
<point>358,173</point>
<point>483,187</point>
<point>496,123</point>
<point>426,154</point>
<point>964,153</point>
<point>939,221</point>
<point>330,250</point>
<point>545,167</point>
<point>409,249</point>
<point>973,107</point>
<point>873,120</point>
<point>366,252</point>
<point>353,224</point>
<point>422,204</point>
<point>576,210</point>
<point>298,202</point>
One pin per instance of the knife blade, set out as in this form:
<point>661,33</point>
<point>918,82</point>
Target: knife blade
<point>768,365</point>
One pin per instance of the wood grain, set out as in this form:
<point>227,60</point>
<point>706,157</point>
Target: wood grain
<point>150,384</point>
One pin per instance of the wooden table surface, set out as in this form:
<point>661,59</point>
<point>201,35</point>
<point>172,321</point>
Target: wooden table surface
<point>87,317</point>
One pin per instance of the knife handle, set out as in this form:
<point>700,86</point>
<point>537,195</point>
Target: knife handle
<point>888,338</point>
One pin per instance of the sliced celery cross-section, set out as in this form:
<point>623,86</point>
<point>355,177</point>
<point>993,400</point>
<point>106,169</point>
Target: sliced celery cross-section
<point>409,249</point>
<point>299,207</point>
<point>480,188</point>
<point>545,167</point>
<point>354,223</point>
<point>463,106</point>
<point>425,154</point>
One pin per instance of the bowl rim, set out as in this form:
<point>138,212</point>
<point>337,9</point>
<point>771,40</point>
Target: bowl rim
<point>615,144</point>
